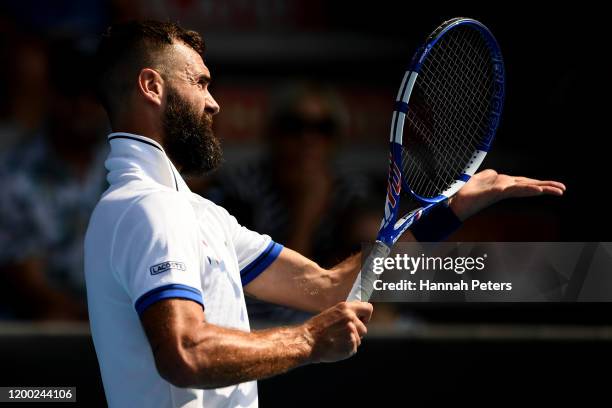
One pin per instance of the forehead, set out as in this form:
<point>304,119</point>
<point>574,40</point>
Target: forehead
<point>185,60</point>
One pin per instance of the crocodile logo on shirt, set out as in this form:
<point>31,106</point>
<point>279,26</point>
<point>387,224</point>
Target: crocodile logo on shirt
<point>166,266</point>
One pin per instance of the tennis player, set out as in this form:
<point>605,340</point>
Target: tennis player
<point>167,270</point>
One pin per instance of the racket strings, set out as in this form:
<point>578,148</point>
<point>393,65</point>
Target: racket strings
<point>448,113</point>
<point>453,110</point>
<point>453,143</point>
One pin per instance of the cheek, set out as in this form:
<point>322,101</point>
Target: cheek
<point>192,100</point>
<point>200,106</point>
<point>193,97</point>
<point>198,101</point>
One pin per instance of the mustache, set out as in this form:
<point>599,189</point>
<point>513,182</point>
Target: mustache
<point>207,120</point>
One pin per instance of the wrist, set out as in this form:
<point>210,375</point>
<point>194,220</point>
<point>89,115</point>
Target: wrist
<point>457,207</point>
<point>306,335</point>
<point>437,225</point>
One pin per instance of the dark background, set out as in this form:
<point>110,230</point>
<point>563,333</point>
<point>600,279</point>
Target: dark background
<point>558,86</point>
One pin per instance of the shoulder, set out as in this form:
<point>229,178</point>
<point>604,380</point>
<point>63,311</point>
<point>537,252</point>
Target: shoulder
<point>160,206</point>
<point>154,220</point>
<point>146,210</point>
<point>207,208</point>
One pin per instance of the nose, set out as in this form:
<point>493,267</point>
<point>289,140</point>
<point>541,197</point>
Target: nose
<point>212,106</point>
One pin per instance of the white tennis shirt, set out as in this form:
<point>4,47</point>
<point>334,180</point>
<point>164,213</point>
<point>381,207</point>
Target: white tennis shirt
<point>150,238</point>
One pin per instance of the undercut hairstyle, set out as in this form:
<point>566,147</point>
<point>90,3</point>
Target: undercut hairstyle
<point>126,48</point>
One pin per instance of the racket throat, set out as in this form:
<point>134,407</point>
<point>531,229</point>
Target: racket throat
<point>406,221</point>
<point>390,233</point>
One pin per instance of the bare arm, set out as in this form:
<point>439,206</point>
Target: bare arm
<point>189,352</point>
<point>295,281</point>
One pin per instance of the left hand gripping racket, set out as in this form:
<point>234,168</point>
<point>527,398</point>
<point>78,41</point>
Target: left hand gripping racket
<point>446,114</point>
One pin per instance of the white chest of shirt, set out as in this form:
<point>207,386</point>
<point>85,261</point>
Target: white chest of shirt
<point>219,270</point>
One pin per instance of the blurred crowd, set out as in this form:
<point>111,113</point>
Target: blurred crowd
<point>313,178</point>
<point>53,147</point>
<point>52,174</point>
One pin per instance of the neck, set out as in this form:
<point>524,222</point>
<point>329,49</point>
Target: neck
<point>151,134</point>
<point>139,123</point>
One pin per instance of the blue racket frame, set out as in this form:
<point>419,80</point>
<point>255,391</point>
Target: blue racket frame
<point>391,228</point>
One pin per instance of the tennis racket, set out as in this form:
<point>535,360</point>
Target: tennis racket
<point>446,114</point>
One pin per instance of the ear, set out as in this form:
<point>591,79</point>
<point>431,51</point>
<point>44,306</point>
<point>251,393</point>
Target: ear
<point>151,85</point>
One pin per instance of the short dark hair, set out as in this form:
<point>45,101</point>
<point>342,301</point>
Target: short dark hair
<point>126,48</point>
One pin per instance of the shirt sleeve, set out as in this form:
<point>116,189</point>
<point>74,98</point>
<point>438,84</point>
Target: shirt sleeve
<point>255,252</point>
<point>156,251</point>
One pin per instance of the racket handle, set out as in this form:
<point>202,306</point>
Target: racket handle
<point>364,284</point>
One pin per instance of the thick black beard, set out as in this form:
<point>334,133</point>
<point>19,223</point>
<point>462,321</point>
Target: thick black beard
<point>189,140</point>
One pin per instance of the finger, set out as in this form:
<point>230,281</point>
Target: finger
<point>355,337</point>
<point>363,310</point>
<point>551,183</point>
<point>361,328</point>
<point>530,190</point>
<point>354,344</point>
<point>552,190</point>
<point>522,190</point>
<point>555,184</point>
<point>543,189</point>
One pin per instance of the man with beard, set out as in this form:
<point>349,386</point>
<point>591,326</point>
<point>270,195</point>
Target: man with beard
<point>167,270</point>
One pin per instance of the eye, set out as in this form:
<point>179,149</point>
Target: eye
<point>203,81</point>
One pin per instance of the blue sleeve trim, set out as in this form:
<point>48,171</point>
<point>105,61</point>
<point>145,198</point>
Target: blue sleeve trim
<point>436,226</point>
<point>167,292</point>
<point>252,270</point>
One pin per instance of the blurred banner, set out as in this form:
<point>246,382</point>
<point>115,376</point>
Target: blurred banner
<point>495,272</point>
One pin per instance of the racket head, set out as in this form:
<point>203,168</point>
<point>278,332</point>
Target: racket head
<point>447,110</point>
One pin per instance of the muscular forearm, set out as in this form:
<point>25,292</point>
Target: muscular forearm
<point>295,281</point>
<point>344,275</point>
<point>321,288</point>
<point>190,352</point>
<point>219,357</point>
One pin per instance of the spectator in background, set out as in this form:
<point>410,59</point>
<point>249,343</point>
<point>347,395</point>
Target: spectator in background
<point>294,194</point>
<point>51,183</point>
<point>24,88</point>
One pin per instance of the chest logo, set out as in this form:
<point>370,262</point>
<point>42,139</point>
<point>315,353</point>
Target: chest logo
<point>166,266</point>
